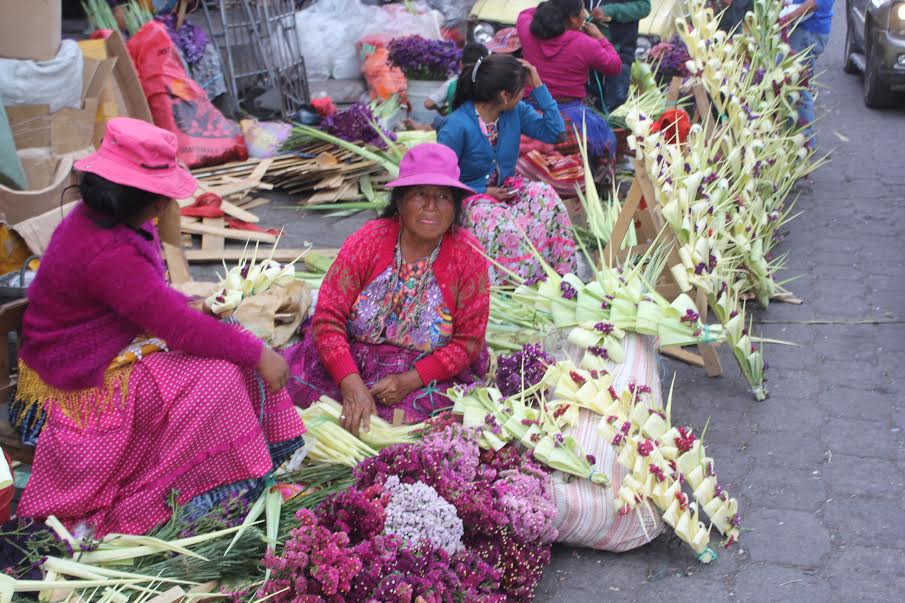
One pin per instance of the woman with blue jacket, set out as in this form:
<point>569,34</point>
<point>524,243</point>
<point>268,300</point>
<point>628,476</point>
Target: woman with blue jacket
<point>484,130</point>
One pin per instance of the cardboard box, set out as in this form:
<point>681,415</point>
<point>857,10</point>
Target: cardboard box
<point>30,29</point>
<point>68,129</point>
<point>48,144</point>
<point>54,171</point>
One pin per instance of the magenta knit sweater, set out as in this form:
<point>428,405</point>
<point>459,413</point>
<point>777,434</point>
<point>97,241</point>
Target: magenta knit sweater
<point>96,290</point>
<point>563,62</point>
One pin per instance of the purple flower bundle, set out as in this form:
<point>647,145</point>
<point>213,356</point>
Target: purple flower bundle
<point>669,58</point>
<point>423,59</point>
<point>511,536</point>
<point>190,39</point>
<point>354,125</point>
<point>524,497</point>
<point>522,369</point>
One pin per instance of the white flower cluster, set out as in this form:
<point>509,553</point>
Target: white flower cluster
<point>416,512</point>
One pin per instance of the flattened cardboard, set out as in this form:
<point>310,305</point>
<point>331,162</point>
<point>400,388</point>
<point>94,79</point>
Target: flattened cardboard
<point>51,143</point>
<point>130,97</point>
<point>18,206</point>
<point>118,95</point>
<point>36,231</point>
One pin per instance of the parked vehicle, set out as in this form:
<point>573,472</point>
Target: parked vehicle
<point>487,16</point>
<point>875,46</point>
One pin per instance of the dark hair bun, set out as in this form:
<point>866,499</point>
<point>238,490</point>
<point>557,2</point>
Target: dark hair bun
<point>116,202</point>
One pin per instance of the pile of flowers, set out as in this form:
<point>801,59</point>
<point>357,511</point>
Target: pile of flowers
<point>436,520</point>
<point>423,59</point>
<point>356,124</point>
<point>521,370</point>
<point>669,59</point>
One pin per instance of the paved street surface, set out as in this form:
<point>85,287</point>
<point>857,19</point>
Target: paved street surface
<point>817,468</point>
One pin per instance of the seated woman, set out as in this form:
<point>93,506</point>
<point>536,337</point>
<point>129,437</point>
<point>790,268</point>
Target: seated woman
<point>402,313</point>
<point>485,131</point>
<point>125,421</point>
<point>565,47</point>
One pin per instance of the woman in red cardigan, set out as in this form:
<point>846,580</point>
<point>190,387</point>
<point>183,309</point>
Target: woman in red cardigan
<point>402,313</point>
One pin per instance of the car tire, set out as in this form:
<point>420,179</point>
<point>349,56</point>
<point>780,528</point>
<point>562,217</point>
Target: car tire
<point>849,65</point>
<point>877,95</point>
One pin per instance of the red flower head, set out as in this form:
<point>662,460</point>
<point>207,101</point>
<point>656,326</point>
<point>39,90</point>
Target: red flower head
<point>672,122</point>
<point>324,106</point>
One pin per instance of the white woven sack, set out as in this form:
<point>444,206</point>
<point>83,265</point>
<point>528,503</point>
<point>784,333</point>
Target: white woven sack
<point>587,514</point>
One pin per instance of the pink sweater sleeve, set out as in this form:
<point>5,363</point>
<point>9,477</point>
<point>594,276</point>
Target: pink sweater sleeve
<point>131,286</point>
<point>603,57</point>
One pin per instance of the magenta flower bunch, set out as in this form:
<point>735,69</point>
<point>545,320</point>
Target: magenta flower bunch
<point>315,565</point>
<point>396,572</point>
<point>360,514</point>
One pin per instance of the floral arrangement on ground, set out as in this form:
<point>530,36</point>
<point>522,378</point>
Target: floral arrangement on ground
<point>433,521</point>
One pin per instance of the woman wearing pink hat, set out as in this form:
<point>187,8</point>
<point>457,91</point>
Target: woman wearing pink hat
<point>402,313</point>
<point>138,393</point>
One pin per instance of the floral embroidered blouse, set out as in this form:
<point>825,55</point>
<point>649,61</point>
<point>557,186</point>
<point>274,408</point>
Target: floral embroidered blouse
<point>436,326</point>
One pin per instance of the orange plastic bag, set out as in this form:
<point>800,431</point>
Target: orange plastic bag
<point>383,80</point>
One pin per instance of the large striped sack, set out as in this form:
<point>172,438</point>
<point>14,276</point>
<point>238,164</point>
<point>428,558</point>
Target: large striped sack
<point>588,514</point>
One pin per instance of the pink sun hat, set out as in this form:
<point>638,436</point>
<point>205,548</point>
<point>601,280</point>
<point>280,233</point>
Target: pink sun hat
<point>429,163</point>
<point>138,154</point>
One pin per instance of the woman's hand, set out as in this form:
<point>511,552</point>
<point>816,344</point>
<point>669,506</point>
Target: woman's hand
<point>598,15</point>
<point>198,304</point>
<point>533,77</point>
<point>273,369</point>
<point>393,389</point>
<point>358,405</point>
<point>591,30</point>
<point>500,193</point>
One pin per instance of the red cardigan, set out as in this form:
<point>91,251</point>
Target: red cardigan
<point>461,273</point>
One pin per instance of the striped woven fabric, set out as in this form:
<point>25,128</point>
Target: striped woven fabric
<point>563,173</point>
<point>587,514</point>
